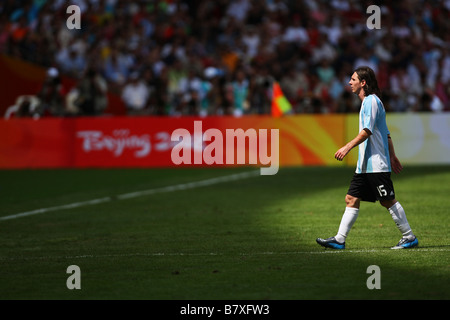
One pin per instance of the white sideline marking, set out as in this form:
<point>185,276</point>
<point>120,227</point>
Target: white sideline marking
<point>162,254</point>
<point>183,186</point>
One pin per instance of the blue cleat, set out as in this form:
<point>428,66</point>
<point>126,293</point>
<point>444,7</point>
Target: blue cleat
<point>330,243</point>
<point>405,243</point>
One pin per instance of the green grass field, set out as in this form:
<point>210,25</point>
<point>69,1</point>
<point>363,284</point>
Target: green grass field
<point>245,239</point>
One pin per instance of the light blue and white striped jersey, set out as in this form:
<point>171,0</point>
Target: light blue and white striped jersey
<point>374,152</point>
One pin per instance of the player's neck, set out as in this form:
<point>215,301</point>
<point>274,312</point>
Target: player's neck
<point>362,94</point>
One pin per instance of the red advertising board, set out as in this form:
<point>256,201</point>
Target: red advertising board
<point>28,143</point>
<point>153,141</point>
<point>122,142</point>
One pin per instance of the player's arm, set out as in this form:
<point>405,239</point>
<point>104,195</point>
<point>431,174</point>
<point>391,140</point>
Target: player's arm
<point>360,138</point>
<point>395,163</point>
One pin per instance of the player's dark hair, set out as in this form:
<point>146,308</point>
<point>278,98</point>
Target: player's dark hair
<point>371,86</point>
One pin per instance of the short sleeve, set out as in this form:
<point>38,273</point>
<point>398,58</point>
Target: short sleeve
<point>369,113</point>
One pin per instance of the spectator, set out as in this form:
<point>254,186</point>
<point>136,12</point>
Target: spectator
<point>92,94</point>
<point>295,86</point>
<point>367,59</point>
<point>251,40</point>
<point>238,9</point>
<point>71,62</point>
<point>117,68</point>
<point>25,107</point>
<point>51,95</point>
<point>260,90</point>
<point>323,50</point>
<point>239,87</point>
<point>136,96</point>
<point>194,90</point>
<point>296,33</point>
<point>325,72</point>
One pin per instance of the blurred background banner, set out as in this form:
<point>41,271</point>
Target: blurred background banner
<point>27,143</point>
<point>419,138</point>
<point>146,142</point>
<point>422,138</point>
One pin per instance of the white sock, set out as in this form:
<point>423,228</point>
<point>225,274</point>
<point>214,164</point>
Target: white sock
<point>347,221</point>
<point>398,215</point>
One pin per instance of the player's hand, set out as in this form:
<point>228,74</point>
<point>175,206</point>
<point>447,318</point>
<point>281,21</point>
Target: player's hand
<point>396,165</point>
<point>341,153</point>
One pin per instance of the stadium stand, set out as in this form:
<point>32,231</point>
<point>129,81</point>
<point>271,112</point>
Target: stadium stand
<point>220,57</point>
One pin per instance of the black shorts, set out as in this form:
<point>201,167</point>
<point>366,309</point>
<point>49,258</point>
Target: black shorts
<point>372,186</point>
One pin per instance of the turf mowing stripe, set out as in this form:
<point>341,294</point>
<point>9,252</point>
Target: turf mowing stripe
<point>178,187</point>
<point>161,254</point>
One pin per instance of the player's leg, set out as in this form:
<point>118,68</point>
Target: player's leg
<point>352,201</point>
<point>398,214</point>
<point>348,218</point>
<point>386,195</point>
<point>347,221</point>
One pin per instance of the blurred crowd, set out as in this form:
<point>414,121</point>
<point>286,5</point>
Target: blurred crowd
<point>220,57</point>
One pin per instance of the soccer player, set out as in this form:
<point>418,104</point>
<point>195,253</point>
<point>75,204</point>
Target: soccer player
<point>372,178</point>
